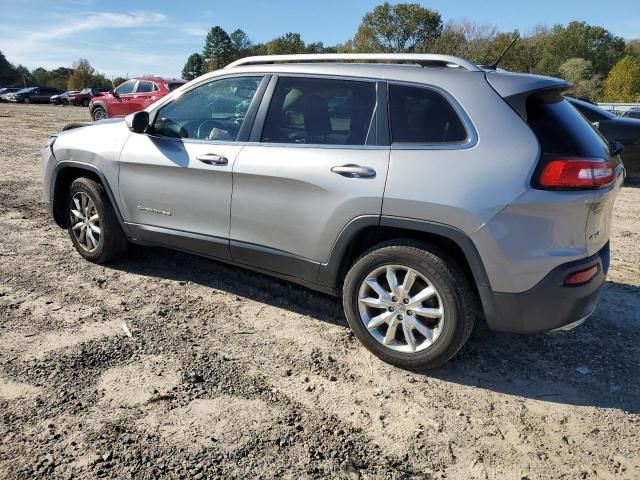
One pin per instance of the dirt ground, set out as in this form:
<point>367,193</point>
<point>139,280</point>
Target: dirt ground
<point>232,374</point>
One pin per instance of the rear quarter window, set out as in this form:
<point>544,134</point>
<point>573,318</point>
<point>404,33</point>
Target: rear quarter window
<point>423,116</point>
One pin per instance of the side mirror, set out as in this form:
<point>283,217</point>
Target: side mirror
<point>138,122</point>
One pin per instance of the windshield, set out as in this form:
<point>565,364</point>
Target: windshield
<point>25,90</point>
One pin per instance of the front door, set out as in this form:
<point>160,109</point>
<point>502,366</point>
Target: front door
<point>146,93</point>
<point>311,173</point>
<point>119,102</point>
<point>175,182</point>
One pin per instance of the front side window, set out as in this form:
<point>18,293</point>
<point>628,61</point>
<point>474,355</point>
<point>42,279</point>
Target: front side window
<point>126,87</point>
<point>423,116</point>
<point>145,87</point>
<point>320,111</point>
<point>213,111</point>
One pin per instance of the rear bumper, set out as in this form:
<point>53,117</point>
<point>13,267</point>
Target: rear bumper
<point>550,305</point>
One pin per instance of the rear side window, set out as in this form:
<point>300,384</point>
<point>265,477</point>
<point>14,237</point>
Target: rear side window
<point>423,116</point>
<point>145,87</point>
<point>561,129</point>
<point>320,111</point>
<point>173,86</point>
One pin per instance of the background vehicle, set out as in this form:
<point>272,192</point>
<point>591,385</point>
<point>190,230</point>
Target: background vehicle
<point>84,96</point>
<point>625,130</point>
<point>131,96</point>
<point>35,95</point>
<point>366,181</point>
<point>633,113</point>
<point>5,92</point>
<point>65,98</point>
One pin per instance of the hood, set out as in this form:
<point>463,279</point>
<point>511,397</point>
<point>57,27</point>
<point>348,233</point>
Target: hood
<point>74,125</point>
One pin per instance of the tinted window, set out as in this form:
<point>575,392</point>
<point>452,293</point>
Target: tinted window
<point>423,116</point>
<point>561,129</point>
<point>319,111</point>
<point>632,114</point>
<point>214,111</point>
<point>126,87</point>
<point>174,85</point>
<point>593,113</point>
<point>145,87</point>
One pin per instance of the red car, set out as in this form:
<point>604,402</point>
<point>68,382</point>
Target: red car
<point>83,97</point>
<point>131,96</point>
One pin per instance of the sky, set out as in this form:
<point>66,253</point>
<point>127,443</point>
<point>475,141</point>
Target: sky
<point>132,38</point>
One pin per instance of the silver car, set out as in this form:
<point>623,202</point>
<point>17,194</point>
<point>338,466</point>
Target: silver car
<point>423,189</point>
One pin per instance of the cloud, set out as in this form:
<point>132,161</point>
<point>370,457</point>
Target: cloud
<point>98,21</point>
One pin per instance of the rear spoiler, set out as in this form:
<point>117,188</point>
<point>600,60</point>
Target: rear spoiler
<point>515,88</point>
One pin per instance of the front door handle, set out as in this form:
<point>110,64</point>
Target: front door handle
<point>212,159</point>
<point>354,171</point>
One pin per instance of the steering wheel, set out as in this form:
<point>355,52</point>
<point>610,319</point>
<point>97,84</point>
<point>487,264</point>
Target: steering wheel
<point>201,130</point>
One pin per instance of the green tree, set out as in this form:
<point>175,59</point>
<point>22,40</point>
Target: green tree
<point>240,42</point>
<point>194,67</point>
<point>623,82</point>
<point>82,75</point>
<point>117,81</point>
<point>41,77</point>
<point>288,43</point>
<point>8,74</point>
<point>580,72</point>
<point>399,28</point>
<point>580,40</point>
<point>633,48</point>
<point>218,49</point>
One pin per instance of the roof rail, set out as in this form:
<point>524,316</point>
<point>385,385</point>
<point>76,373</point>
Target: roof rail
<point>424,59</point>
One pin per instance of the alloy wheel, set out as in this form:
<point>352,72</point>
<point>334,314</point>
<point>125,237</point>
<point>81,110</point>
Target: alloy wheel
<point>401,308</point>
<point>85,221</point>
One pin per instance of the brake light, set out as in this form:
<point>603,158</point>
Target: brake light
<point>570,173</point>
<point>583,276</point>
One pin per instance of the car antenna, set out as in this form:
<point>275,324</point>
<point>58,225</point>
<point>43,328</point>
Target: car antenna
<point>494,65</point>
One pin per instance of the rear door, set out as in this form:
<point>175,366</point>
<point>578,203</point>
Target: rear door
<point>145,94</point>
<point>175,181</point>
<point>119,106</point>
<point>313,168</point>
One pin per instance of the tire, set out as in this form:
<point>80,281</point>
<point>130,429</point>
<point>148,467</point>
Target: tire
<point>26,100</point>
<point>98,113</point>
<point>111,242</point>
<point>454,300</point>
<point>85,103</point>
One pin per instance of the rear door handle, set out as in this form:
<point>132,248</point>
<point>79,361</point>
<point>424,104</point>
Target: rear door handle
<point>354,171</point>
<point>212,159</point>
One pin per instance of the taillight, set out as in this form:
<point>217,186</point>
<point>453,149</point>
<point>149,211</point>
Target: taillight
<point>571,173</point>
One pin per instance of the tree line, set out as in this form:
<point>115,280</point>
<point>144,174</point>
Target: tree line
<point>601,65</point>
<point>80,75</point>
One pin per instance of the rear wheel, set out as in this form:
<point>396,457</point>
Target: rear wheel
<point>85,102</point>
<point>98,114</point>
<point>26,100</point>
<point>93,225</point>
<point>409,304</point>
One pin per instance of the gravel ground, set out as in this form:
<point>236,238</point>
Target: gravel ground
<point>233,374</point>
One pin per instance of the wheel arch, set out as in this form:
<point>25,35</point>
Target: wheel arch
<point>63,175</point>
<point>364,232</point>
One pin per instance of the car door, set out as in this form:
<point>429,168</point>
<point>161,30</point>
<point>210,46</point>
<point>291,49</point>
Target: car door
<point>145,94</point>
<point>119,102</point>
<point>175,181</point>
<point>314,167</point>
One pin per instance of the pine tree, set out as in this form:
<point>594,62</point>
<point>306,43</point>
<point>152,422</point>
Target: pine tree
<point>193,68</point>
<point>218,49</point>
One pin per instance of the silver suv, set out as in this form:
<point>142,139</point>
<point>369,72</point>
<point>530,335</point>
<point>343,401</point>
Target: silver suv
<point>423,189</point>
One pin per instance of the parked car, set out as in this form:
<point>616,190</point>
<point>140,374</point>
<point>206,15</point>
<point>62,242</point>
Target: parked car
<point>34,95</point>
<point>65,98</point>
<point>131,96</point>
<point>632,113</point>
<point>5,92</point>
<point>625,130</point>
<point>433,196</point>
<point>84,96</point>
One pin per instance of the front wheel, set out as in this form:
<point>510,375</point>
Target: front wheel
<point>409,304</point>
<point>93,225</point>
<point>85,103</point>
<point>26,100</point>
<point>98,114</point>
